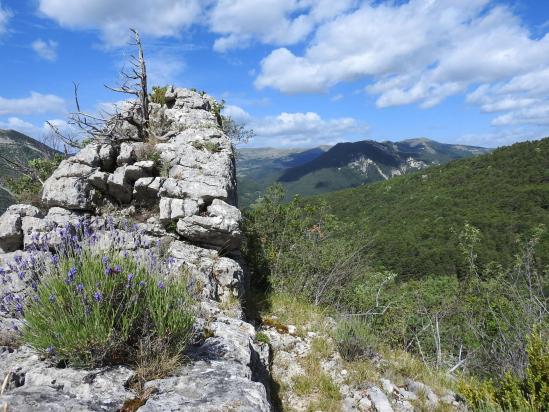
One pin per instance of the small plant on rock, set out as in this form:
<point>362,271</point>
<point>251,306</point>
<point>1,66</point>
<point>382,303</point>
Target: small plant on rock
<point>97,306</point>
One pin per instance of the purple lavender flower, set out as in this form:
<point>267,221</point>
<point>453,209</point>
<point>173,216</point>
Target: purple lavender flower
<point>19,308</point>
<point>54,259</point>
<point>34,286</point>
<point>18,259</point>
<point>161,285</point>
<point>142,283</point>
<point>117,269</point>
<point>21,274</point>
<point>130,277</point>
<point>50,350</point>
<point>105,260</point>
<point>80,288</point>
<point>71,274</point>
<point>97,296</point>
<point>51,298</point>
<point>108,270</point>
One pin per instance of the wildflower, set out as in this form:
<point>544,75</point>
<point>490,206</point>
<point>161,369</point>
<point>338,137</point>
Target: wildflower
<point>130,277</point>
<point>117,269</point>
<point>50,350</point>
<point>80,288</point>
<point>108,270</point>
<point>71,274</point>
<point>19,308</point>
<point>51,298</point>
<point>97,296</point>
<point>141,284</point>
<point>54,259</point>
<point>21,274</point>
<point>161,285</point>
<point>105,260</point>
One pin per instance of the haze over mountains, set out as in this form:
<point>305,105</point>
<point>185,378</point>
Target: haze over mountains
<point>326,169</point>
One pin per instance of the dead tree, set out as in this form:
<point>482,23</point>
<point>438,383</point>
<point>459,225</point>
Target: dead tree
<point>110,125</point>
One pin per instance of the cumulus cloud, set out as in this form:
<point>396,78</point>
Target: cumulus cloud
<point>279,22</point>
<point>305,129</point>
<point>35,103</point>
<point>31,129</point>
<point>47,49</point>
<point>4,17</point>
<point>237,113</point>
<point>157,18</point>
<point>413,52</point>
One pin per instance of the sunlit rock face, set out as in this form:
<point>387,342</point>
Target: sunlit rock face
<point>174,193</point>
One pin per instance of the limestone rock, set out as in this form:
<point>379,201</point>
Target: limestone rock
<point>172,209</point>
<point>69,192</point>
<point>221,228</point>
<point>11,235</point>
<point>379,400</point>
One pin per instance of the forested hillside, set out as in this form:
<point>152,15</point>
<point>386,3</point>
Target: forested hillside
<point>18,148</point>
<point>415,219</point>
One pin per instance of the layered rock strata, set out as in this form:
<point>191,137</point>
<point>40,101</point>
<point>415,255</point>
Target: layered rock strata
<point>178,192</point>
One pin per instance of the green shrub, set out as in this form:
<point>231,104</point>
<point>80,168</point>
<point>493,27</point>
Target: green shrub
<point>292,249</point>
<point>354,340</point>
<point>27,187</point>
<point>94,308</point>
<point>262,337</point>
<point>212,147</point>
<point>158,95</point>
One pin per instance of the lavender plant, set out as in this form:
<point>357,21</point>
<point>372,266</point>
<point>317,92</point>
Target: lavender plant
<point>96,304</point>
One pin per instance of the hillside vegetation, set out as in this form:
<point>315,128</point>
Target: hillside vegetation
<point>21,148</point>
<point>449,264</point>
<point>351,164</point>
<point>415,219</point>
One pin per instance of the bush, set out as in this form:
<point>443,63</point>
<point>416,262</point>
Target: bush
<point>97,307</point>
<point>354,340</point>
<point>158,95</point>
<point>292,249</point>
<point>27,187</point>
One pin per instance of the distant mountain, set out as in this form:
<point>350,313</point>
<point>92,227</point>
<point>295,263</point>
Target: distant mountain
<point>257,168</point>
<point>20,147</point>
<point>415,218</point>
<point>326,169</point>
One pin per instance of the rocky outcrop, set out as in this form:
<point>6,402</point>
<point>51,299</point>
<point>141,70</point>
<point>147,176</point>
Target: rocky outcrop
<point>177,192</point>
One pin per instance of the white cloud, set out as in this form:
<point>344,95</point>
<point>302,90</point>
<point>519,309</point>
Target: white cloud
<point>299,129</point>
<point>414,52</point>
<point>237,113</point>
<point>279,22</point>
<point>4,17</point>
<point>30,129</point>
<point>47,50</point>
<point>35,103</point>
<point>156,18</point>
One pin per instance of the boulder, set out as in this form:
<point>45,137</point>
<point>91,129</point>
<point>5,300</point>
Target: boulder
<point>221,228</point>
<point>11,234</point>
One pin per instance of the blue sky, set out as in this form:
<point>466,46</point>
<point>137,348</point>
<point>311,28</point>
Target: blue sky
<point>299,72</point>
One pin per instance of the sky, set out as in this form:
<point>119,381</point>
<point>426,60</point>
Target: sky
<point>298,72</point>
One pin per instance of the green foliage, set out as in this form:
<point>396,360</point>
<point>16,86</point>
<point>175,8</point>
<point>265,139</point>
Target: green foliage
<point>415,218</point>
<point>217,108</point>
<point>212,147</point>
<point>354,340</point>
<point>27,187</point>
<point>262,337</point>
<point>293,249</point>
<point>94,309</point>
<point>158,95</point>
<point>512,393</point>
<point>237,133</point>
